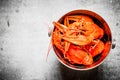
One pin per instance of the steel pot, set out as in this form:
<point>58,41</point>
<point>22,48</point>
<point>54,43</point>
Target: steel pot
<point>107,39</point>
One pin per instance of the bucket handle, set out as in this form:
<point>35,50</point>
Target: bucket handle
<point>113,43</point>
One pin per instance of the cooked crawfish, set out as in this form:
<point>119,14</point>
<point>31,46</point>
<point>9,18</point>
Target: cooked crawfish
<point>76,55</point>
<point>78,38</point>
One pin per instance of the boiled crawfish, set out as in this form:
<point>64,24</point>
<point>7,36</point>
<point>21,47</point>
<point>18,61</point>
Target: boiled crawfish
<point>78,38</point>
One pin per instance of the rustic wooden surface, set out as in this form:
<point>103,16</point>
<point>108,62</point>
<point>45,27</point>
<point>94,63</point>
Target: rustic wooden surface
<point>24,39</point>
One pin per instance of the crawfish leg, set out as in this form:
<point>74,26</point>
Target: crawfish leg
<point>57,40</point>
<point>67,44</point>
<point>59,26</point>
<point>97,48</point>
<point>74,18</point>
<point>66,21</point>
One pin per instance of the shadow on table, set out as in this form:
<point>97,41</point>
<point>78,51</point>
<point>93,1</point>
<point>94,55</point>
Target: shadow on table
<point>69,74</point>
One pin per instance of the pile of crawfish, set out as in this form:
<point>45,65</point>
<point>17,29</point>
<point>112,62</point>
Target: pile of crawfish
<point>78,38</point>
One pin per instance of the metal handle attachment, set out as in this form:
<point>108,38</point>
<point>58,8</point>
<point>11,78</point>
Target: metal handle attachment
<point>50,32</point>
<point>113,43</point>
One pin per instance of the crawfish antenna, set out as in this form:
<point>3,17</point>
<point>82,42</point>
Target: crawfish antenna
<point>49,48</point>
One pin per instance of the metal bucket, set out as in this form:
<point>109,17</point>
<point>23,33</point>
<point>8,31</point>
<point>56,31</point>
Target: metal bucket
<point>107,39</point>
